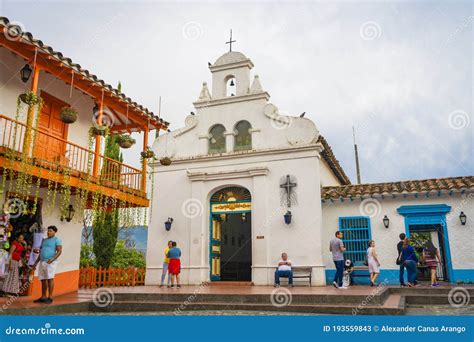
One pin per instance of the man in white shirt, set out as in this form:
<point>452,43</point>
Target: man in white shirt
<point>284,270</point>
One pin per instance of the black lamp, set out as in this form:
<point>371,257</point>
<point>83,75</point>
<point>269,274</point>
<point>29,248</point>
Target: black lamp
<point>168,223</point>
<point>463,218</point>
<point>25,73</point>
<point>386,221</point>
<point>69,214</point>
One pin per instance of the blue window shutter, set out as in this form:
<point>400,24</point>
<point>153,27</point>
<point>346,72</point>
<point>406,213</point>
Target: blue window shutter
<point>356,238</point>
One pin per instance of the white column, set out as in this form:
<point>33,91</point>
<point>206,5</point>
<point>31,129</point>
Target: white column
<point>229,141</point>
<point>197,236</point>
<point>260,229</point>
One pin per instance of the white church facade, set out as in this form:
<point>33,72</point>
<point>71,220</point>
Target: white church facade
<point>247,183</point>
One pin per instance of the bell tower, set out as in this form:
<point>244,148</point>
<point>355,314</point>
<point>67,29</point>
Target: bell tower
<point>231,75</point>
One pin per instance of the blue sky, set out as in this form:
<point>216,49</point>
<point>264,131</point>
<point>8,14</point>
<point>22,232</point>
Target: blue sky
<point>401,72</point>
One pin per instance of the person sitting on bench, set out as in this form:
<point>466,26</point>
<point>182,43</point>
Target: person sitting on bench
<point>284,270</point>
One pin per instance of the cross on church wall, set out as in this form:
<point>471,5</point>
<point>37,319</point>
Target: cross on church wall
<point>288,186</point>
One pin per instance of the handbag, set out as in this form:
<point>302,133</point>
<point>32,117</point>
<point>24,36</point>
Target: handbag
<point>399,259</point>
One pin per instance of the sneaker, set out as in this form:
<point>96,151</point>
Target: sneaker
<point>403,285</point>
<point>335,284</point>
<point>168,286</point>
<point>435,285</point>
<point>178,286</point>
<point>48,301</point>
<point>161,285</point>
<point>40,300</point>
<point>276,285</point>
<point>343,287</point>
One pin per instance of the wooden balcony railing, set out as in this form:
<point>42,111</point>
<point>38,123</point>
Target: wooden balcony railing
<point>90,277</point>
<point>58,154</point>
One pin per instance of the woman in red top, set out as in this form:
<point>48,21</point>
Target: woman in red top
<point>12,280</point>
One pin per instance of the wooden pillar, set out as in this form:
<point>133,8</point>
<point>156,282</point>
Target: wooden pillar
<point>95,169</point>
<point>144,163</point>
<point>31,113</point>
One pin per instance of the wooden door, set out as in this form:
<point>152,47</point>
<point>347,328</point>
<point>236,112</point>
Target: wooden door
<point>49,144</point>
<point>215,248</point>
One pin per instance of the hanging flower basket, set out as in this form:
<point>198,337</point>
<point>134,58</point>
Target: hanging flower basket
<point>99,130</point>
<point>30,98</point>
<point>125,141</point>
<point>68,115</point>
<point>147,154</point>
<point>165,161</point>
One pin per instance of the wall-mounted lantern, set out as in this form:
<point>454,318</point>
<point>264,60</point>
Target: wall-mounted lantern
<point>463,218</point>
<point>386,221</point>
<point>25,73</point>
<point>287,217</point>
<point>168,223</point>
<point>69,214</point>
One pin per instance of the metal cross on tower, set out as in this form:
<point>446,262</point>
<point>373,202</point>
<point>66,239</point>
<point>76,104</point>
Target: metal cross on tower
<point>230,41</point>
<point>288,185</point>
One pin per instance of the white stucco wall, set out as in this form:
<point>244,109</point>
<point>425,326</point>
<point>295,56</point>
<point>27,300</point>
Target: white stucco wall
<point>11,86</point>
<point>461,238</point>
<point>281,145</point>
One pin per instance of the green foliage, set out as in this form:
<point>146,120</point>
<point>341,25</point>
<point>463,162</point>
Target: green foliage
<point>87,256</point>
<point>127,257</point>
<point>105,233</point>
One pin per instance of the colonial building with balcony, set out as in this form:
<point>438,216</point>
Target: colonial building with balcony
<point>51,168</point>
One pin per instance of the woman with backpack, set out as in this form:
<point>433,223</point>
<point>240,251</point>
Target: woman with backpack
<point>409,260</point>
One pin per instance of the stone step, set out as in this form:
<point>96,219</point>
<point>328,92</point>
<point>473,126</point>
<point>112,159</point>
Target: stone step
<point>378,299</point>
<point>434,299</point>
<point>175,308</point>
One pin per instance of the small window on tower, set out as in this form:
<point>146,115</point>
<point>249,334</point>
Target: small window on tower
<point>243,137</point>
<point>217,139</point>
<point>231,86</point>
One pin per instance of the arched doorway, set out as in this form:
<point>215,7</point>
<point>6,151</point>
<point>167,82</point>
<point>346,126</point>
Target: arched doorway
<point>230,235</point>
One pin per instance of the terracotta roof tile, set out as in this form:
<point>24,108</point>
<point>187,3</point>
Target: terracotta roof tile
<point>333,163</point>
<point>84,72</point>
<point>411,186</point>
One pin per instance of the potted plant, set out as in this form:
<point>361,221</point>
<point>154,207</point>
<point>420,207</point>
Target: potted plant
<point>99,130</point>
<point>165,161</point>
<point>30,98</point>
<point>125,141</point>
<point>147,154</point>
<point>68,115</point>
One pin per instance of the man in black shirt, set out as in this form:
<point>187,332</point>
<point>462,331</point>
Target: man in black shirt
<point>399,261</point>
